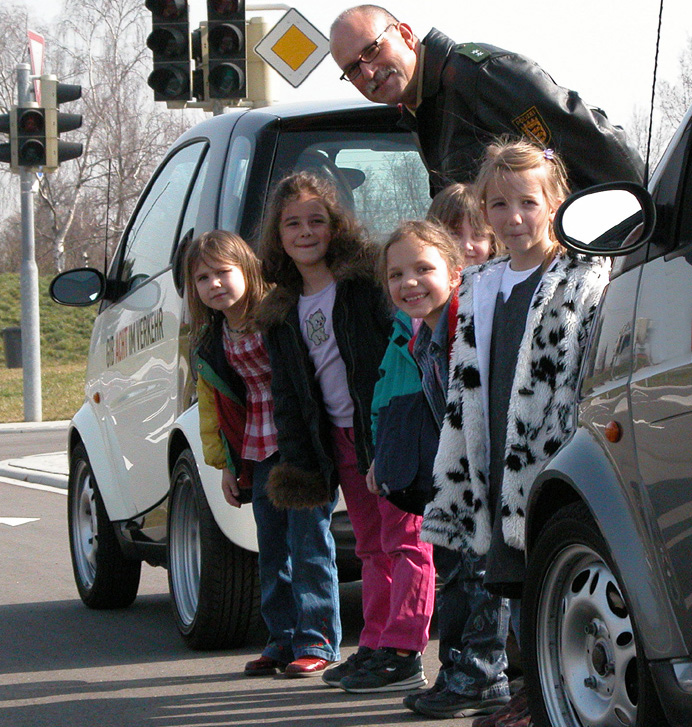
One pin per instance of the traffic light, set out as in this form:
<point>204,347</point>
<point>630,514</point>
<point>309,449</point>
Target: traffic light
<point>6,147</point>
<point>30,125</point>
<point>200,54</point>
<point>226,39</point>
<point>52,95</point>
<point>169,41</point>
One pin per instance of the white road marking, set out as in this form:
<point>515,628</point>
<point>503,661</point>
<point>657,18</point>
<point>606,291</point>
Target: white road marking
<point>14,521</point>
<point>33,486</point>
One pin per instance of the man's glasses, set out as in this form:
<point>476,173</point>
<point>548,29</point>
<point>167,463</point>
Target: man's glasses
<point>352,72</point>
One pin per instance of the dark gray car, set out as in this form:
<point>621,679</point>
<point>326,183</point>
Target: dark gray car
<point>607,609</point>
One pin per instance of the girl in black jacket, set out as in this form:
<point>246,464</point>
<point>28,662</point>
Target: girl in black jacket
<point>327,324</point>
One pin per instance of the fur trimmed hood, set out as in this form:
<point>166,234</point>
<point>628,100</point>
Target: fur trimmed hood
<point>542,403</point>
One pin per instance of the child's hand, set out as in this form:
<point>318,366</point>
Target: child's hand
<point>370,480</point>
<point>229,485</point>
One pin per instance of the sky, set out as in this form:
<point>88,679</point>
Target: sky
<point>604,49</point>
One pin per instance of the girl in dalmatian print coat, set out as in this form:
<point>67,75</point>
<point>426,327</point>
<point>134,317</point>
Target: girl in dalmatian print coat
<point>522,325</point>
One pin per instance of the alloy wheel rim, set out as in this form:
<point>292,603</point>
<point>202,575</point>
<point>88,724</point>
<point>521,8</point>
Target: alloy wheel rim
<point>586,649</point>
<point>85,525</point>
<point>185,549</point>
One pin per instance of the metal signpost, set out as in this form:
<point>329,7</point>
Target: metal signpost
<point>31,341</point>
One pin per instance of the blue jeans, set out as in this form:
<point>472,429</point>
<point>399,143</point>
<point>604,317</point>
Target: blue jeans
<point>473,627</point>
<point>298,578</point>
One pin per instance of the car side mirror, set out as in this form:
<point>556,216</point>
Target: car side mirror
<point>608,219</point>
<point>80,287</point>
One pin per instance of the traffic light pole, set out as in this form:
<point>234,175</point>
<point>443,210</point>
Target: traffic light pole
<point>31,342</point>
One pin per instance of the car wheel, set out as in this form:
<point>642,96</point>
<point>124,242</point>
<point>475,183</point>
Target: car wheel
<point>214,583</point>
<point>583,660</point>
<point>105,578</point>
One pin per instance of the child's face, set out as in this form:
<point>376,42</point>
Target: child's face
<point>305,231</point>
<point>476,249</point>
<point>219,285</point>
<point>520,214</point>
<point>419,280</point>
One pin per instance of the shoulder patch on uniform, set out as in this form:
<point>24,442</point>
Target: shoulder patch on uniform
<point>472,51</point>
<point>531,125</point>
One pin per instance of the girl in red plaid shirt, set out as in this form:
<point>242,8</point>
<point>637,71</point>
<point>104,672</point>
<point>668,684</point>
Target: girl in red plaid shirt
<point>224,287</point>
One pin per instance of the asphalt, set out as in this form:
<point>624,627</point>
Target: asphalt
<point>50,468</point>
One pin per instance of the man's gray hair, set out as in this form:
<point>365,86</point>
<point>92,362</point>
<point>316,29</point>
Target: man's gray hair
<point>371,11</point>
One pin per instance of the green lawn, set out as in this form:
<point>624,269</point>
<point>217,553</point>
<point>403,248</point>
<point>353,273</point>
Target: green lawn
<point>65,334</point>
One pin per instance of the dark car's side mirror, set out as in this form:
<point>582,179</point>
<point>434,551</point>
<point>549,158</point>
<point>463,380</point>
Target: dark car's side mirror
<point>79,287</point>
<point>609,219</point>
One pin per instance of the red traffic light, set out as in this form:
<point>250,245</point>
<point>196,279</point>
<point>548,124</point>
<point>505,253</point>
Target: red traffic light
<point>31,121</point>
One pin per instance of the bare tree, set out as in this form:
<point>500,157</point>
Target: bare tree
<point>670,104</point>
<point>101,45</point>
<point>675,99</point>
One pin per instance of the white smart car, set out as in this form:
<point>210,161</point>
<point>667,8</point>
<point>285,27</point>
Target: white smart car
<point>139,489</point>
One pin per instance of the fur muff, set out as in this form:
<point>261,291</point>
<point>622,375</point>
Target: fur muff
<point>291,488</point>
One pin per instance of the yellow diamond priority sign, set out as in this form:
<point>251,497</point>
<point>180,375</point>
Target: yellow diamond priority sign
<point>293,47</point>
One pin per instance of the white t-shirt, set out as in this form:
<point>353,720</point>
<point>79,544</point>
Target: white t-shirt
<point>510,278</point>
<point>315,315</point>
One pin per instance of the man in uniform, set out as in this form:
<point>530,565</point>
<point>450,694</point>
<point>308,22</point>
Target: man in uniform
<point>458,97</point>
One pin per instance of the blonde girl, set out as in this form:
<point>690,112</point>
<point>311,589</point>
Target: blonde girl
<point>522,324</point>
<point>327,324</point>
<point>225,286</point>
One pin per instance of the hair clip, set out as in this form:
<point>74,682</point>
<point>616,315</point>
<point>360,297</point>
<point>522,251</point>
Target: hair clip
<point>549,154</point>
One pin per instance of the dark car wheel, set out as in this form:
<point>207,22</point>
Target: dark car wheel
<point>583,661</point>
<point>105,578</point>
<point>214,583</point>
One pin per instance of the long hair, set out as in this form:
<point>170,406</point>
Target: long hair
<point>507,155</point>
<point>456,203</point>
<point>348,242</point>
<point>427,233</point>
<point>219,246</point>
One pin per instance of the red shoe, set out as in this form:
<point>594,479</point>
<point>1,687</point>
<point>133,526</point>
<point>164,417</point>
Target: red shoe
<point>523,719</point>
<point>264,666</point>
<point>512,710</point>
<point>307,666</point>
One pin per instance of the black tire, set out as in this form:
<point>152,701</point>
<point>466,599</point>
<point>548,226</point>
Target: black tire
<point>214,584</point>
<point>105,578</point>
<point>582,657</point>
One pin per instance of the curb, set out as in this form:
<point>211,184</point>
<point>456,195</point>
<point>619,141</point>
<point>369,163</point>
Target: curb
<point>49,469</point>
<point>20,427</point>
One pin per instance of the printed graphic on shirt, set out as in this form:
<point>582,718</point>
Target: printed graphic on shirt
<point>531,124</point>
<point>314,325</point>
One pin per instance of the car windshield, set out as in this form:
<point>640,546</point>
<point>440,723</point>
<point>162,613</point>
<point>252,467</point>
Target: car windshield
<point>379,175</point>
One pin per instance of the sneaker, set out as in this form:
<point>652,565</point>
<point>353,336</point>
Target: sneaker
<point>386,671</point>
<point>411,699</point>
<point>335,674</point>
<point>446,704</point>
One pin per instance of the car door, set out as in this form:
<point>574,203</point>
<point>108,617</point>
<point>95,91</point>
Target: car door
<point>661,385</point>
<point>133,375</point>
